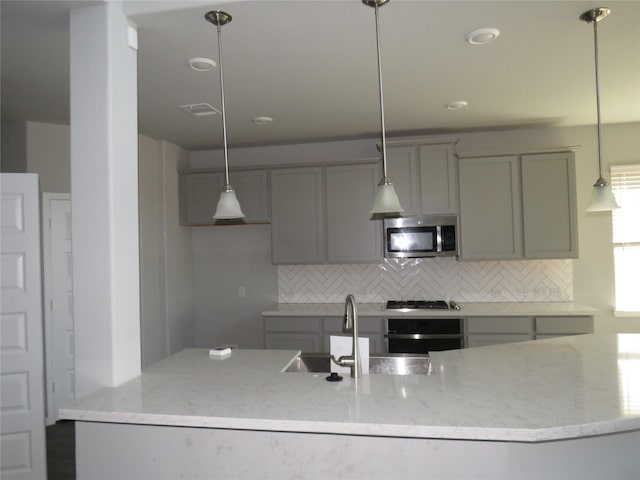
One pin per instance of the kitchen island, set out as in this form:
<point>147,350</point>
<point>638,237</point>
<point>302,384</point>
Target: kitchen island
<point>560,408</point>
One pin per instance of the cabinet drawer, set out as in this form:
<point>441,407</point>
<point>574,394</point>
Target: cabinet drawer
<point>306,342</point>
<point>480,340</point>
<point>365,325</point>
<point>292,324</point>
<point>568,325</point>
<point>500,325</point>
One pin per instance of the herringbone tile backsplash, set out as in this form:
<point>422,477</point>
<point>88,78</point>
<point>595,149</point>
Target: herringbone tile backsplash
<point>429,279</point>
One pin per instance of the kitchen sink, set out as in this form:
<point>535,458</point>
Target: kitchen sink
<point>413,364</point>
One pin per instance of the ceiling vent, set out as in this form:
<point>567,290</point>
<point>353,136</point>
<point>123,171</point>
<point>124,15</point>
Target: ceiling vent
<point>200,109</point>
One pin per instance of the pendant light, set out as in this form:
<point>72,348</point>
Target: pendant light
<point>602,199</point>
<point>386,200</point>
<point>228,206</point>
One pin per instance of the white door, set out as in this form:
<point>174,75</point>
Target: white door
<point>58,301</point>
<point>21,351</point>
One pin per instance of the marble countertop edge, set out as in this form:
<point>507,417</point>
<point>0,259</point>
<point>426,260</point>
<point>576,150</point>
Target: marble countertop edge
<point>466,309</point>
<point>480,433</point>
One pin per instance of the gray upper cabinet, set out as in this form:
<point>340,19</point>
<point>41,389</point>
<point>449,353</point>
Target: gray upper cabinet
<point>351,234</point>
<point>490,208</point>
<point>549,205</point>
<point>402,166</point>
<point>297,215</point>
<point>321,215</point>
<point>425,176</point>
<point>199,193</point>
<point>438,179</point>
<point>518,206</point>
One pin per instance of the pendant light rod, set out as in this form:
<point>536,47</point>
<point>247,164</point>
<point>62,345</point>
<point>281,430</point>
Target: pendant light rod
<point>602,199</point>
<point>386,200</point>
<point>381,94</point>
<point>219,18</point>
<point>228,207</point>
<point>594,16</point>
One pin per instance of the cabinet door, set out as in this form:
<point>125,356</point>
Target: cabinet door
<point>563,325</point>
<point>351,234</point>
<point>490,208</point>
<point>297,216</point>
<point>438,179</point>
<point>253,194</point>
<point>199,194</point>
<point>402,166</point>
<point>549,206</point>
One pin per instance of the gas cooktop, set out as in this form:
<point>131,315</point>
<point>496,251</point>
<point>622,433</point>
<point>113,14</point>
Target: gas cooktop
<point>421,305</point>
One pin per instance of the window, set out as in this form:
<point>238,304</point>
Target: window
<point>625,184</point>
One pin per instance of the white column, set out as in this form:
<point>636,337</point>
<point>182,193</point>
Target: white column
<point>104,193</point>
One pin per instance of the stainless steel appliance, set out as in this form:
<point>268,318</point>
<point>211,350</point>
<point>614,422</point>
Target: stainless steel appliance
<point>414,237</point>
<point>422,334</point>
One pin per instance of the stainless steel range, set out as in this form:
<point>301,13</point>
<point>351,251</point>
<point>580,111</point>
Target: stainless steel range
<point>412,334</point>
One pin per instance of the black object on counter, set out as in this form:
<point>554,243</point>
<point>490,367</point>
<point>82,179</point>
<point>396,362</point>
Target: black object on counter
<point>334,377</point>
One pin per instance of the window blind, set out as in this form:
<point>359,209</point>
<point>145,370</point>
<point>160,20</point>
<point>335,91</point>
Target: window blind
<point>625,185</point>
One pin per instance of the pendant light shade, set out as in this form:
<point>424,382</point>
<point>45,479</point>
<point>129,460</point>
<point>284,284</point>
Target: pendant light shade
<point>228,207</point>
<point>602,199</point>
<point>386,200</point>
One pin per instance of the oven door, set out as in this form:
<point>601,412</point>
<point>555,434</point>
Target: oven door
<point>406,343</point>
<point>423,335</point>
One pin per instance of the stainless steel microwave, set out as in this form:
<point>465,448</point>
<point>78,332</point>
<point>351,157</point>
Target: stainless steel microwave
<point>415,237</point>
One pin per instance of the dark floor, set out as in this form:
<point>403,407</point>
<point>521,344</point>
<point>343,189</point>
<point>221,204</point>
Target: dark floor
<point>61,451</point>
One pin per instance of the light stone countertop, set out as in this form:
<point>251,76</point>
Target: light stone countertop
<point>466,310</point>
<point>561,388</point>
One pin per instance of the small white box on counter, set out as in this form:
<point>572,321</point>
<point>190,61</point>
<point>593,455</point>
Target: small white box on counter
<point>220,352</point>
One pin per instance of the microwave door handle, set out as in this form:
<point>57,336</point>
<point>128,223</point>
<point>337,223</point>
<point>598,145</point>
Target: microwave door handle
<point>438,238</point>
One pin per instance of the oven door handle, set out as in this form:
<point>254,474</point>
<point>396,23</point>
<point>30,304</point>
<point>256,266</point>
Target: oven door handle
<point>422,336</point>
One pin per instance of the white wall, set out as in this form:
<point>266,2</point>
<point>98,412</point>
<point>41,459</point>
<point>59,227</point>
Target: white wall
<point>226,258</point>
<point>166,275</point>
<point>14,147</point>
<point>167,305</point>
<point>178,258</point>
<point>41,148</point>
<point>48,154</point>
<point>593,275</point>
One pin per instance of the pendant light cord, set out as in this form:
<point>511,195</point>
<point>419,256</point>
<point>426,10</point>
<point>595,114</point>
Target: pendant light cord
<point>595,46</point>
<point>384,139</point>
<point>224,116</point>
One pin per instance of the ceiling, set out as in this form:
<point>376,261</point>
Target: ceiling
<point>311,66</point>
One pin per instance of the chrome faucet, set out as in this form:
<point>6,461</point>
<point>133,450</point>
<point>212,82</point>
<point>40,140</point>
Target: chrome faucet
<point>350,325</point>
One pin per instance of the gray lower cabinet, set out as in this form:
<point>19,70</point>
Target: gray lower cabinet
<point>312,334</point>
<point>481,331</point>
<point>321,215</point>
<point>518,207</point>
<point>547,327</point>
<point>199,193</point>
<point>293,333</point>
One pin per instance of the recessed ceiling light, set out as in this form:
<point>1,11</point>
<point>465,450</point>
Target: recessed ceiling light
<point>482,36</point>
<point>263,120</point>
<point>201,64</point>
<point>457,105</point>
